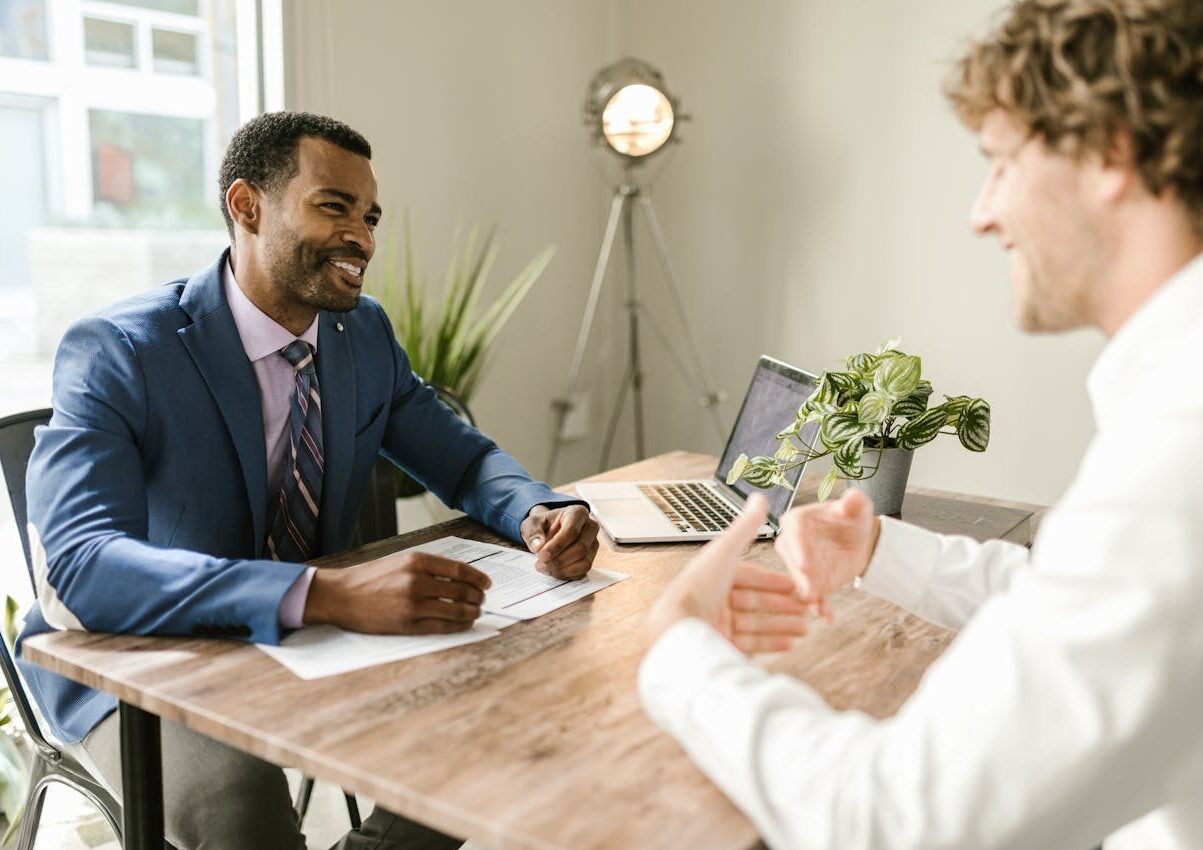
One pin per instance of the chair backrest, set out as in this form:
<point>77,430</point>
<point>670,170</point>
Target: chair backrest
<point>16,444</point>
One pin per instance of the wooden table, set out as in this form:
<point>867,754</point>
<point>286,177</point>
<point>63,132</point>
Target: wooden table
<point>532,740</point>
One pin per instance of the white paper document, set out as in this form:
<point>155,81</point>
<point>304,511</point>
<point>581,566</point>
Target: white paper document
<point>317,651</point>
<point>519,592</point>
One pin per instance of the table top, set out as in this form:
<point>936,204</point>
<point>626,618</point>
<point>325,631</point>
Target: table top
<point>532,740</point>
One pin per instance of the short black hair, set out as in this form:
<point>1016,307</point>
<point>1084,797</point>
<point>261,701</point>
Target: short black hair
<point>263,151</point>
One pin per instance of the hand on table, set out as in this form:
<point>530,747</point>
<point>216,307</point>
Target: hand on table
<point>752,606</point>
<point>407,593</point>
<point>565,539</point>
<point>827,545</point>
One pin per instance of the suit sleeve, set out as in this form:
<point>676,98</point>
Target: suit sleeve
<point>94,567</point>
<point>453,460</point>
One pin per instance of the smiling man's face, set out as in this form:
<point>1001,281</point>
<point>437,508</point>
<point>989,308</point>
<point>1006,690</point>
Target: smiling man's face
<point>1038,204</point>
<point>318,230</point>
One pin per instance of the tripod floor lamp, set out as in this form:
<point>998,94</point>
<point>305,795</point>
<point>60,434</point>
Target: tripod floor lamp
<point>634,117</point>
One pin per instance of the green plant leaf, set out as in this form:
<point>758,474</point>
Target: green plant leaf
<point>889,345</point>
<point>873,408</point>
<point>445,345</point>
<point>847,458</point>
<point>955,405</point>
<point>763,472</point>
<point>898,376</point>
<point>737,469</point>
<point>841,427</point>
<point>973,429</point>
<point>922,429</point>
<point>862,364</point>
<point>915,403</point>
<point>827,483</point>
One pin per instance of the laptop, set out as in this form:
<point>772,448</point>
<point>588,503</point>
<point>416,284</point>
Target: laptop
<point>671,511</point>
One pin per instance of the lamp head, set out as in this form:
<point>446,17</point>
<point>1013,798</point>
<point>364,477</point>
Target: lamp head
<point>630,109</point>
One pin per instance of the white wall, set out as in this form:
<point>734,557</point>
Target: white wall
<point>474,113</point>
<point>816,207</point>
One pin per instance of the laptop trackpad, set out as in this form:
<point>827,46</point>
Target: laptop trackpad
<point>632,516</point>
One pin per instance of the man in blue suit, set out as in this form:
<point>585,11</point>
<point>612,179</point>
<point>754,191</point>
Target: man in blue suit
<point>210,436</point>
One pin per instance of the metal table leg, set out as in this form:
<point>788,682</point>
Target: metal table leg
<point>141,779</point>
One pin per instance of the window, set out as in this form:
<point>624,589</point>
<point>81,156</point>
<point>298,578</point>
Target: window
<point>149,171</point>
<point>175,52</point>
<point>23,32</point>
<point>109,43</point>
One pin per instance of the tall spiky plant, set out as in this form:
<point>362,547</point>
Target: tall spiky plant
<point>446,345</point>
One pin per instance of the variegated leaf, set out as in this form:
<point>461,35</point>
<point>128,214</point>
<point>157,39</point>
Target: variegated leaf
<point>838,428</point>
<point>873,408</point>
<point>922,429</point>
<point>915,403</point>
<point>898,376</point>
<point>763,472</point>
<point>955,405</point>
<point>787,452</point>
<point>847,458</point>
<point>889,345</point>
<point>862,364</point>
<point>793,429</point>
<point>973,429</point>
<point>827,483</point>
<point>737,469</point>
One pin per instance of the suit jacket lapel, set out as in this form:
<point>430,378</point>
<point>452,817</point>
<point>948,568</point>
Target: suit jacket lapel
<point>213,342</point>
<point>336,380</point>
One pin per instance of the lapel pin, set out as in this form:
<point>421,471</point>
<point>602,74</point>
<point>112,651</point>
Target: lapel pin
<point>338,326</point>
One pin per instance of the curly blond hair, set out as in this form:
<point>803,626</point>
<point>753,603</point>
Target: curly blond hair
<point>1076,72</point>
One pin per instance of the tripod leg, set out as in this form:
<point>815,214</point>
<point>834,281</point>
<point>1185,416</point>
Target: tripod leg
<point>617,205</point>
<point>712,397</point>
<point>636,370</point>
<point>612,425</point>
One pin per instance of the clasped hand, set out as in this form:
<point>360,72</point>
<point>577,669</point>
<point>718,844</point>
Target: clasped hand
<point>825,546</point>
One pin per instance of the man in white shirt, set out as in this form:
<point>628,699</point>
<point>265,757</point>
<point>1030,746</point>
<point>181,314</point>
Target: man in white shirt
<point>1068,709</point>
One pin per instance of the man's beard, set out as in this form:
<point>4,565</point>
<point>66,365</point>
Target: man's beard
<point>301,271</point>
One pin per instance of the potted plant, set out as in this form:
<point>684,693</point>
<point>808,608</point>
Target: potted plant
<point>446,345</point>
<point>870,417</point>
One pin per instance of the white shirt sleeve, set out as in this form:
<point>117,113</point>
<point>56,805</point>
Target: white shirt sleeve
<point>942,578</point>
<point>1067,707</point>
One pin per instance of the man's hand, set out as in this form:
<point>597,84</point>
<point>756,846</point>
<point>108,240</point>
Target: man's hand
<point>565,539</point>
<point>751,606</point>
<point>409,593</point>
<point>828,545</point>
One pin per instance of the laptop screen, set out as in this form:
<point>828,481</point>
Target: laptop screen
<point>776,393</point>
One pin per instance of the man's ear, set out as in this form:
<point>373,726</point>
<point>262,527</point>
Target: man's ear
<point>1116,167</point>
<point>244,202</point>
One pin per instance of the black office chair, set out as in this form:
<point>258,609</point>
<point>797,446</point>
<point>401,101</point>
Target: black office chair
<point>50,764</point>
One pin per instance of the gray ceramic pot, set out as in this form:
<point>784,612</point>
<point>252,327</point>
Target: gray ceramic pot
<point>888,485</point>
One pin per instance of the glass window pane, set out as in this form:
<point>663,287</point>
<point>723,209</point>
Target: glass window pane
<point>175,52</point>
<point>109,43</point>
<point>180,7</point>
<point>23,29</point>
<point>149,171</point>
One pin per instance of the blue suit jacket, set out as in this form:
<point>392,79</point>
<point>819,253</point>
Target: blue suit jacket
<point>148,489</point>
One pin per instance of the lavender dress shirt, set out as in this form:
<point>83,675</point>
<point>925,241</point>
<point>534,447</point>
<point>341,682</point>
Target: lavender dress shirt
<point>262,338</point>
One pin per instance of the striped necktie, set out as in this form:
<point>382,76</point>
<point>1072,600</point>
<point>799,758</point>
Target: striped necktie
<point>293,534</point>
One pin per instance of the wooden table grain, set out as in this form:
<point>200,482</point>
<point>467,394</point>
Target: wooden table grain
<point>532,740</point>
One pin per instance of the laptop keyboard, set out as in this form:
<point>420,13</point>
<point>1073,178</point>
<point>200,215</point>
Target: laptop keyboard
<point>690,506</point>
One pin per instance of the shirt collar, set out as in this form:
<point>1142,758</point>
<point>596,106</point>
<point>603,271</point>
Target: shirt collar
<point>1144,346</point>
<point>261,334</point>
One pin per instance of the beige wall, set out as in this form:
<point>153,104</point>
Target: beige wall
<point>817,205</point>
